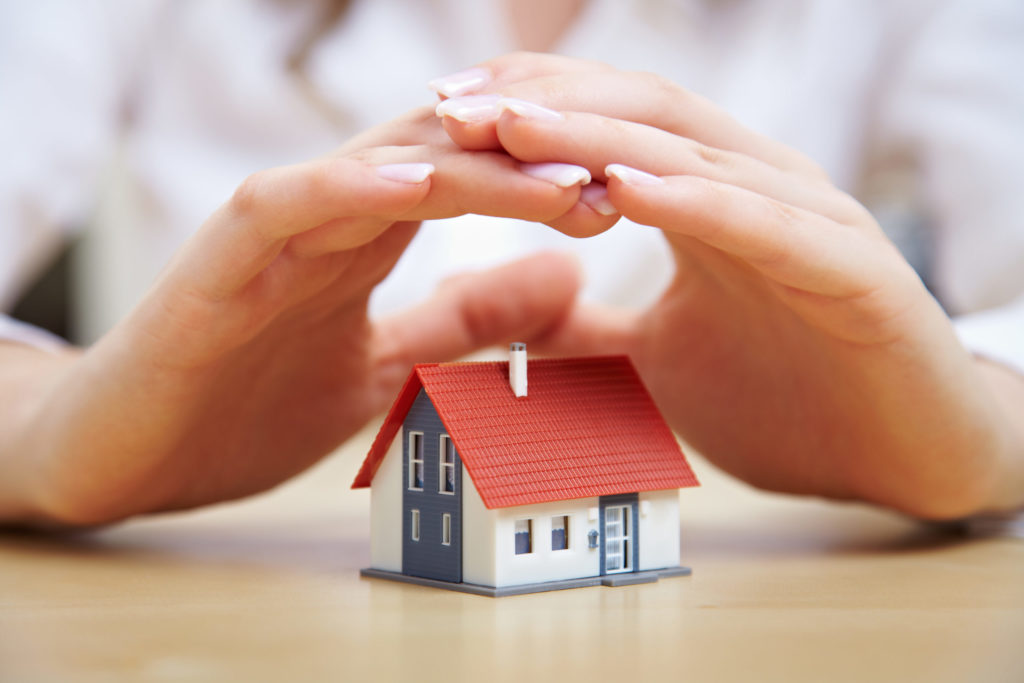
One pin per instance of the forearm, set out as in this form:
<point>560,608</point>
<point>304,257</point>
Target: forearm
<point>28,379</point>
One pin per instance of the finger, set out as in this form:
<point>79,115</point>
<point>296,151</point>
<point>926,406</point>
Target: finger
<point>494,184</point>
<point>475,92</point>
<point>491,184</point>
<point>519,301</point>
<point>470,121</point>
<point>415,127</point>
<point>593,330</point>
<point>242,237</point>
<point>794,247</point>
<point>631,96</point>
<point>593,213</point>
<point>492,75</point>
<point>486,183</point>
<point>534,134</point>
<point>583,221</point>
<point>330,205</point>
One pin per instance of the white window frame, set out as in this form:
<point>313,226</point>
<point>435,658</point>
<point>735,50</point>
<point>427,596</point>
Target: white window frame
<point>413,460</point>
<point>446,528</point>
<point>442,466</point>
<point>414,525</point>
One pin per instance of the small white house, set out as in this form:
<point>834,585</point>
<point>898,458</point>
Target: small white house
<point>512,477</point>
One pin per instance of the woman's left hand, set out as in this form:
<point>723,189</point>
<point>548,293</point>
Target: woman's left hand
<point>795,348</point>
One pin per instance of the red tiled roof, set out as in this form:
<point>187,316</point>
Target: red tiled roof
<point>587,427</point>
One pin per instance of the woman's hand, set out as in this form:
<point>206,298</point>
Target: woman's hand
<point>252,356</point>
<point>795,347</point>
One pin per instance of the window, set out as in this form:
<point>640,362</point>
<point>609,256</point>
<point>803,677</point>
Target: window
<point>414,525</point>
<point>446,470</point>
<point>524,536</point>
<point>560,532</point>
<point>446,529</point>
<point>416,461</point>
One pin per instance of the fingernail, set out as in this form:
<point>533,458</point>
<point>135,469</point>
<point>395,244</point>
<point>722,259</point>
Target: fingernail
<point>631,176</point>
<point>460,82</point>
<point>471,108</point>
<point>414,174</point>
<point>562,175</point>
<point>595,195</point>
<point>528,110</point>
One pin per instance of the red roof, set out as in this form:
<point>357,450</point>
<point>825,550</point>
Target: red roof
<point>587,427</point>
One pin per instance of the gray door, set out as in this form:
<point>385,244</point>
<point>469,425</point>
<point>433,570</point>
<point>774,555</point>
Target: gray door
<point>620,549</point>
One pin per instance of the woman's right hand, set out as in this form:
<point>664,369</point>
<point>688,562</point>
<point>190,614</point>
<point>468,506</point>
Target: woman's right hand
<point>252,356</point>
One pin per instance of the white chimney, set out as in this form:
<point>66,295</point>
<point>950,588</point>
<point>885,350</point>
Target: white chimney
<point>517,368</point>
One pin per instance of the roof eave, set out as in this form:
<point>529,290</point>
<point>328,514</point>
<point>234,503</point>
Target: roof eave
<point>387,432</point>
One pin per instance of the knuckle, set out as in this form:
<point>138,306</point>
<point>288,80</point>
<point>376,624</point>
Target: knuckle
<point>782,214</point>
<point>612,129</point>
<point>247,197</point>
<point>775,253</point>
<point>713,155</point>
<point>362,155</point>
<point>316,183</point>
<point>649,79</point>
<point>667,93</point>
<point>478,313</point>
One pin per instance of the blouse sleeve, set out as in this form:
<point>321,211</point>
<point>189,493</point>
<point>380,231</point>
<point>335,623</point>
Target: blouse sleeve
<point>956,108</point>
<point>15,331</point>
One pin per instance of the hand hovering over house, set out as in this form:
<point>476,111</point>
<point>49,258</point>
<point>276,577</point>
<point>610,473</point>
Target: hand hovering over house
<point>252,355</point>
<point>795,347</point>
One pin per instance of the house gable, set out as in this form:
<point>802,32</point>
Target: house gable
<point>588,427</point>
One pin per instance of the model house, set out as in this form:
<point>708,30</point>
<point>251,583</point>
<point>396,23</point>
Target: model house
<point>514,477</point>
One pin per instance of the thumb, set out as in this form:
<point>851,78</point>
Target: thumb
<point>522,300</point>
<point>532,300</point>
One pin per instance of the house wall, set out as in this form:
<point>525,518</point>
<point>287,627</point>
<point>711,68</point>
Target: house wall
<point>386,511</point>
<point>488,536</point>
<point>479,554</point>
<point>544,564</point>
<point>659,529</point>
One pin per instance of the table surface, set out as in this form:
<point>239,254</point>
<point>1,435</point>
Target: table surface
<point>783,589</point>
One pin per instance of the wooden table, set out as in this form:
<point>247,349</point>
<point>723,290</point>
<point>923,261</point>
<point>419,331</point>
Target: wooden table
<point>782,590</point>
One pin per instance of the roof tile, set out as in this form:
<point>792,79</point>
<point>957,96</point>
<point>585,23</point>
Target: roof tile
<point>587,427</point>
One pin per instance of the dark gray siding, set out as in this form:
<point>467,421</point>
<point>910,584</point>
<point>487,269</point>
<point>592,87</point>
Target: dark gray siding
<point>428,558</point>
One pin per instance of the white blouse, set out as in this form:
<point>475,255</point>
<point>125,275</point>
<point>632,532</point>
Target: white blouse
<point>136,118</point>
